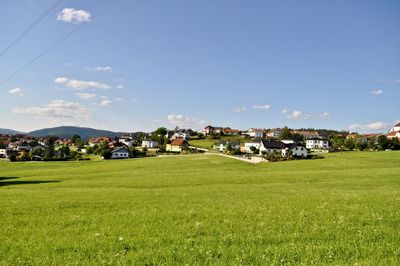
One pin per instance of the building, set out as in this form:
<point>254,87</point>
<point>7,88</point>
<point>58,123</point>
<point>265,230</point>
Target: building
<point>127,140</point>
<point>230,132</point>
<point>177,145</point>
<point>247,146</point>
<point>149,144</point>
<point>223,145</point>
<point>283,148</point>
<point>97,141</point>
<point>306,134</point>
<point>317,144</point>
<point>209,130</point>
<point>274,133</point>
<point>394,132</point>
<point>254,133</point>
<point>120,153</point>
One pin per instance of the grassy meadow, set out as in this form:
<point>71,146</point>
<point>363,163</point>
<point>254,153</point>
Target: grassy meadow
<point>202,209</point>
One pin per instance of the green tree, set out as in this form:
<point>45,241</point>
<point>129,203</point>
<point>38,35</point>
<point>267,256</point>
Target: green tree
<point>76,139</point>
<point>349,144</point>
<point>161,131</point>
<point>106,153</point>
<point>382,142</point>
<point>285,133</point>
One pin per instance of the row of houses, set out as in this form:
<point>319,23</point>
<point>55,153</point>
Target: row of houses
<point>265,147</point>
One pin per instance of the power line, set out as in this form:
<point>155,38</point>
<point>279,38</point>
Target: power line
<point>26,65</point>
<point>27,30</point>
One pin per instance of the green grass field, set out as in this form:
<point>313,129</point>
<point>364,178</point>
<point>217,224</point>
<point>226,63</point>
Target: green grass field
<point>202,209</point>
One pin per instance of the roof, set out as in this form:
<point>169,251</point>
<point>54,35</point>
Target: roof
<point>178,142</point>
<point>392,134</point>
<point>121,149</point>
<point>273,144</point>
<point>397,125</point>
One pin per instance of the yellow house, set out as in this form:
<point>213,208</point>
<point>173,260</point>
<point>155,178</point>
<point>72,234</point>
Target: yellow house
<point>177,145</point>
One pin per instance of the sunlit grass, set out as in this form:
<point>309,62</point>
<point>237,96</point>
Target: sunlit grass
<point>202,209</point>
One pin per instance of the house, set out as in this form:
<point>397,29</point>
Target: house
<point>317,144</point>
<point>230,132</point>
<point>355,136</point>
<point>177,145</point>
<point>274,133</point>
<point>296,149</point>
<point>283,148</point>
<point>3,153</point>
<point>120,153</point>
<point>247,146</point>
<point>271,146</point>
<point>127,140</point>
<point>254,133</point>
<point>223,145</point>
<point>209,130</point>
<point>149,144</point>
<point>394,132</point>
<point>181,135</point>
<point>395,128</point>
<point>99,140</point>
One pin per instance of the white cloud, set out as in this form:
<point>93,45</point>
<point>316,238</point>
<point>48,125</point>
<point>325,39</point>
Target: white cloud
<point>80,84</point>
<point>55,109</point>
<point>120,87</point>
<point>284,111</point>
<point>72,15</point>
<point>103,69</point>
<point>379,125</point>
<point>262,107</point>
<point>377,92</point>
<point>85,96</point>
<point>16,91</point>
<point>179,120</point>
<point>106,102</point>
<point>297,115</point>
<point>239,109</point>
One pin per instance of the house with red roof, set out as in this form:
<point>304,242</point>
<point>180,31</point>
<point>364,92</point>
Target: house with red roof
<point>177,145</point>
<point>394,132</point>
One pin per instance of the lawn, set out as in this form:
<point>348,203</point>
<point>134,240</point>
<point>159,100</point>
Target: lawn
<point>202,209</point>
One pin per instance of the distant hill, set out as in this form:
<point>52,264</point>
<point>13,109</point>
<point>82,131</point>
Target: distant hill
<point>68,132</point>
<point>7,131</point>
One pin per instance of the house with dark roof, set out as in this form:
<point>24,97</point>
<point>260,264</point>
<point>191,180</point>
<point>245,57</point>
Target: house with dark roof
<point>120,153</point>
<point>284,149</point>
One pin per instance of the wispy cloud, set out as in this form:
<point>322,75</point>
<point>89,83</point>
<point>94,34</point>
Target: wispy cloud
<point>55,109</point>
<point>262,107</point>
<point>284,111</point>
<point>179,120</point>
<point>85,96</point>
<point>100,68</point>
<point>376,92</point>
<point>297,115</point>
<point>16,91</point>
<point>239,109</point>
<point>378,125</point>
<point>80,84</point>
<point>106,102</point>
<point>72,15</point>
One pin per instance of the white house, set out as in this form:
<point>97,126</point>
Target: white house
<point>274,133</point>
<point>248,145</point>
<point>223,145</point>
<point>395,128</point>
<point>296,149</point>
<point>255,133</point>
<point>3,153</point>
<point>127,140</point>
<point>280,147</point>
<point>120,153</point>
<point>181,135</point>
<point>149,144</point>
<point>317,144</point>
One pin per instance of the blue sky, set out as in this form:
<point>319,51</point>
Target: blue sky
<point>143,64</point>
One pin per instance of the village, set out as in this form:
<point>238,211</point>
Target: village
<point>269,144</point>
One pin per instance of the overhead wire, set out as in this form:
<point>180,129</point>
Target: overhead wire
<point>58,42</point>
<point>29,29</point>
